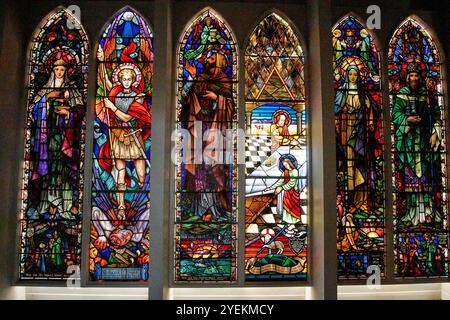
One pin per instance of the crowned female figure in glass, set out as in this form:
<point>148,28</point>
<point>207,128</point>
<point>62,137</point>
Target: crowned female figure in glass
<point>52,184</point>
<point>57,114</point>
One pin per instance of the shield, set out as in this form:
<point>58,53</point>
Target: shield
<point>297,243</point>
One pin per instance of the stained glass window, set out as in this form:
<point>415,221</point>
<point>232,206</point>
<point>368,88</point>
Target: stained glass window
<point>418,153</point>
<point>121,155</point>
<point>359,149</point>
<point>276,164</point>
<point>54,149</point>
<point>205,218</point>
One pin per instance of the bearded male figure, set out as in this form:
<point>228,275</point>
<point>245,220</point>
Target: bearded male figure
<point>207,97</point>
<point>418,131</point>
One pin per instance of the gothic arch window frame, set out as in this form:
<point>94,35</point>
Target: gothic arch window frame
<point>240,59</point>
<point>175,179</point>
<point>305,90</point>
<point>82,63</point>
<point>241,174</point>
<point>89,170</point>
<point>390,277</point>
<point>382,105</point>
<point>428,31</point>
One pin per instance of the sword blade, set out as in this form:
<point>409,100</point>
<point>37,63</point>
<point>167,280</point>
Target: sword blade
<point>133,134</point>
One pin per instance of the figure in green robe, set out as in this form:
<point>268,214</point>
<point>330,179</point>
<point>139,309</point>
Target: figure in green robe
<point>56,255</point>
<point>418,132</point>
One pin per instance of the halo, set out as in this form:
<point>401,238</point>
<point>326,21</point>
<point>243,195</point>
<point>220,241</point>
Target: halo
<point>352,61</point>
<point>131,66</point>
<point>280,112</point>
<point>65,53</point>
<point>265,231</point>
<point>287,156</point>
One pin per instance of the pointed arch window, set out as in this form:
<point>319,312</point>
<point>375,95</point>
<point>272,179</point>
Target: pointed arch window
<point>119,238</point>
<point>360,186</point>
<point>418,134</point>
<point>276,165</point>
<point>206,167</point>
<point>52,194</point>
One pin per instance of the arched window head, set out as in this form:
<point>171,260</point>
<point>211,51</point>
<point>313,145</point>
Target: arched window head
<point>52,194</point>
<point>276,165</point>
<point>206,167</point>
<point>359,150</point>
<point>119,240</point>
<point>418,132</point>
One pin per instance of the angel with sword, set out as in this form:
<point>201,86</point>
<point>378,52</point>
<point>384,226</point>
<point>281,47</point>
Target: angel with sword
<point>128,117</point>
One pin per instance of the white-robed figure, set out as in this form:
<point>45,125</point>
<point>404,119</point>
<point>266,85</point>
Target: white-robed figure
<point>119,235</point>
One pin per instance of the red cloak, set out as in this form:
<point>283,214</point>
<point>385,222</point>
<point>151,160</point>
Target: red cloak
<point>291,199</point>
<point>141,112</point>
